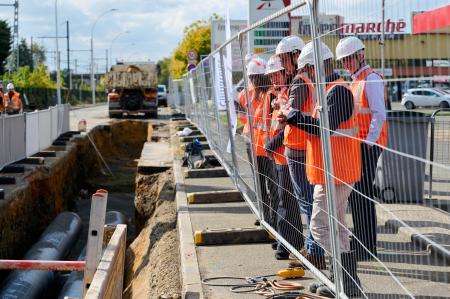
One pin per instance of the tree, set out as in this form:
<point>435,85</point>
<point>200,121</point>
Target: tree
<point>31,56</point>
<point>5,44</point>
<point>25,78</point>
<point>197,36</point>
<point>164,65</point>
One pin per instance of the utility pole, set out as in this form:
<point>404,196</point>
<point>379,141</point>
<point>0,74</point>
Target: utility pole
<point>15,30</point>
<point>107,61</point>
<point>32,53</point>
<point>68,54</point>
<point>58,79</point>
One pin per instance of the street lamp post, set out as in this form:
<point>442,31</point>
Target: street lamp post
<point>92,52</point>
<point>58,70</point>
<point>112,42</point>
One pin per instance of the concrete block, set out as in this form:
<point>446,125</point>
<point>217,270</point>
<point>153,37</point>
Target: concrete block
<point>191,138</point>
<point>155,158</point>
<point>59,142</point>
<point>13,168</point>
<point>205,173</point>
<point>231,236</point>
<point>46,154</point>
<point>33,161</point>
<point>214,196</point>
<point>7,180</point>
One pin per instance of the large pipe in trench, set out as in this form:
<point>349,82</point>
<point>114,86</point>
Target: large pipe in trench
<point>73,288</point>
<point>54,244</point>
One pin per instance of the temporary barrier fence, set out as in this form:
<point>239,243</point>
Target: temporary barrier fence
<point>381,237</point>
<point>26,134</point>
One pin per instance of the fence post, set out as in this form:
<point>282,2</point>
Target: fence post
<point>250,123</point>
<point>230,126</point>
<point>95,236</point>
<point>326,143</point>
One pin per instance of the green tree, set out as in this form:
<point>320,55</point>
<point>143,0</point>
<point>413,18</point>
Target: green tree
<point>5,44</point>
<point>29,55</point>
<point>197,36</point>
<point>164,65</point>
<point>25,78</point>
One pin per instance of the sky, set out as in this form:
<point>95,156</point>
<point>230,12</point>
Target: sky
<point>155,26</point>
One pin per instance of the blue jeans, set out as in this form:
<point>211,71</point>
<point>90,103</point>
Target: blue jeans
<point>304,191</point>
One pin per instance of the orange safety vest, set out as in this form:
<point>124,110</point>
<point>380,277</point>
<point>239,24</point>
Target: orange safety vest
<point>346,154</point>
<point>364,115</point>
<point>2,108</point>
<point>278,155</point>
<point>261,124</point>
<point>295,138</point>
<point>254,103</point>
<point>12,103</point>
<point>243,101</point>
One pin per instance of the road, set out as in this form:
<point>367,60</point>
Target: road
<point>98,115</point>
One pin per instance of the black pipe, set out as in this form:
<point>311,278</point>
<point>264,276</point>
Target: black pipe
<point>73,287</point>
<point>54,244</point>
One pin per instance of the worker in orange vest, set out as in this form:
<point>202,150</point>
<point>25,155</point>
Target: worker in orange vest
<point>242,107</point>
<point>370,96</point>
<point>261,125</point>
<point>301,97</point>
<point>346,161</point>
<point>12,101</point>
<point>289,221</point>
<point>2,108</point>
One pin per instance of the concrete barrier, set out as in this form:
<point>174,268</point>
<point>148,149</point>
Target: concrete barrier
<point>214,196</point>
<point>216,172</point>
<point>231,236</point>
<point>108,279</point>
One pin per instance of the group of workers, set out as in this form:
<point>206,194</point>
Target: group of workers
<point>10,102</point>
<point>284,113</point>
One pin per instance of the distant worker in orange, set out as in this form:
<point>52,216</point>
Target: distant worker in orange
<point>2,108</point>
<point>11,101</point>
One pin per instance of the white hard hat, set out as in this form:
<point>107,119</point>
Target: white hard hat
<point>348,46</point>
<point>257,66</point>
<point>248,57</point>
<point>307,54</point>
<point>10,86</point>
<point>289,44</point>
<point>274,65</point>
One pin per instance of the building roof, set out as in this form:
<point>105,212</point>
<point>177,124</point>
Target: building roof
<point>433,21</point>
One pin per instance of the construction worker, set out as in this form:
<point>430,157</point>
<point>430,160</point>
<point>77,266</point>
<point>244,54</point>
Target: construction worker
<point>242,107</point>
<point>346,159</point>
<point>11,100</point>
<point>289,222</point>
<point>300,97</point>
<point>261,124</point>
<point>2,108</point>
<point>369,92</point>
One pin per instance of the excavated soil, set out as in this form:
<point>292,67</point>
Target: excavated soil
<point>153,261</point>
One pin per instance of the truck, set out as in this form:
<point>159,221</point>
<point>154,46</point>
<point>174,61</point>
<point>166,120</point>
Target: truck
<point>133,89</point>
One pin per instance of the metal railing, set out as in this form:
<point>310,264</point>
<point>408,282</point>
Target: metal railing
<point>399,242</point>
<point>26,134</point>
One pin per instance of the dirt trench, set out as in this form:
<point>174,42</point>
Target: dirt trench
<point>66,182</point>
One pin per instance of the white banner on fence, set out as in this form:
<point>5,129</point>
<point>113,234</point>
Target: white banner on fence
<point>229,81</point>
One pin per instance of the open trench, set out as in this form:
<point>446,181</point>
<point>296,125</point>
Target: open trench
<point>146,200</point>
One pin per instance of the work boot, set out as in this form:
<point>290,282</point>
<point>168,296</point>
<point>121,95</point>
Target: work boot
<point>257,223</point>
<point>350,278</point>
<point>317,260</point>
<point>274,245</point>
<point>281,255</point>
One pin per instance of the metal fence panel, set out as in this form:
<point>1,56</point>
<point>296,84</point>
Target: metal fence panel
<point>32,133</point>
<point>4,152</point>
<point>15,137</point>
<point>54,112</point>
<point>384,236</point>
<point>45,128</point>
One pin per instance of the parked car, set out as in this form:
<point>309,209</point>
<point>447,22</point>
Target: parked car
<point>162,95</point>
<point>425,97</point>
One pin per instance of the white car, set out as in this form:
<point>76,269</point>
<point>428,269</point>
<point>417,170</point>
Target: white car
<point>162,95</point>
<point>425,97</point>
